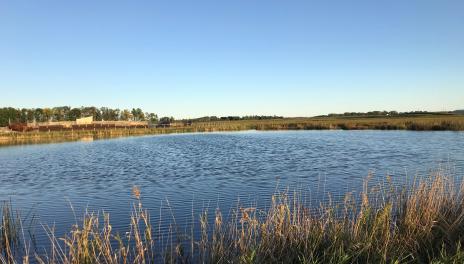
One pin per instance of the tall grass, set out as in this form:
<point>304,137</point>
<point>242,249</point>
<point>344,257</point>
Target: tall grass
<point>423,123</point>
<point>13,242</point>
<point>384,224</point>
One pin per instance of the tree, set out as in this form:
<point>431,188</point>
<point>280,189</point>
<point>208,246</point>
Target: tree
<point>61,113</point>
<point>105,113</point>
<point>109,114</point>
<point>47,114</point>
<point>151,117</point>
<point>115,114</point>
<point>74,114</point>
<point>125,115</point>
<point>30,115</point>
<point>137,114</point>
<point>39,115</point>
<point>166,120</point>
<point>9,114</point>
<point>91,111</point>
<point>23,115</point>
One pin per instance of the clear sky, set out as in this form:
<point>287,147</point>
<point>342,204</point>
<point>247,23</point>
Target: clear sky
<point>240,57</point>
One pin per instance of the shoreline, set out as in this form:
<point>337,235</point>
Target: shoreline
<point>430,123</point>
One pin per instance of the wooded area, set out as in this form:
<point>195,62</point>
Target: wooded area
<point>66,113</point>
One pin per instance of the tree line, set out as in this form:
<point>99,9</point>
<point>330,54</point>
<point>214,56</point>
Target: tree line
<point>385,113</point>
<point>232,118</point>
<point>66,113</point>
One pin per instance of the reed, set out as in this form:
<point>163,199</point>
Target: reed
<point>13,242</point>
<point>383,224</point>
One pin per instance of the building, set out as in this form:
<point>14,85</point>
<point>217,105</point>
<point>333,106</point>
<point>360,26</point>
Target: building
<point>84,120</point>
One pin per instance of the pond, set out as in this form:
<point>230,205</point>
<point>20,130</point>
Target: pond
<point>181,175</point>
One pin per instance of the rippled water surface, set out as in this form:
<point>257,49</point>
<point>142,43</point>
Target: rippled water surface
<point>197,171</point>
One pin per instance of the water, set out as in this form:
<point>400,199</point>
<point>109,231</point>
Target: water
<point>194,172</point>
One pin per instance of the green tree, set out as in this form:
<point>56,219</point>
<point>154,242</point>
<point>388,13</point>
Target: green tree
<point>8,114</point>
<point>166,120</point>
<point>151,117</point>
<point>47,114</point>
<point>125,115</point>
<point>109,114</point>
<point>137,114</point>
<point>115,114</point>
<point>91,111</point>
<point>38,115</point>
<point>23,116</point>
<point>30,115</point>
<point>61,113</point>
<point>74,114</point>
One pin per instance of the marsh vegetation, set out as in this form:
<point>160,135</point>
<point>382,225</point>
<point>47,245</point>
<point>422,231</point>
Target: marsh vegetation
<point>422,223</point>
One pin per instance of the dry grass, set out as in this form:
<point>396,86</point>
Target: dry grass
<point>421,123</point>
<point>13,242</point>
<point>384,224</point>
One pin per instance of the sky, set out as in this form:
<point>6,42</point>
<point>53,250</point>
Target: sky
<point>243,57</point>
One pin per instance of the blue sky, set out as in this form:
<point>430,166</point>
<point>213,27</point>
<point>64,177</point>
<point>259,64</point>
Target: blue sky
<point>241,57</point>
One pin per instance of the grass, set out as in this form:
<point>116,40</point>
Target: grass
<point>384,224</point>
<point>13,243</point>
<point>420,123</point>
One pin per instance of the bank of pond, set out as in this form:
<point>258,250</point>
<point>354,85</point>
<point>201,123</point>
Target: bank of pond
<point>425,123</point>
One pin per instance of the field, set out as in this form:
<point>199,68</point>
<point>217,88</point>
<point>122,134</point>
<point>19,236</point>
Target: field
<point>382,224</point>
<point>419,123</point>
<point>431,122</point>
